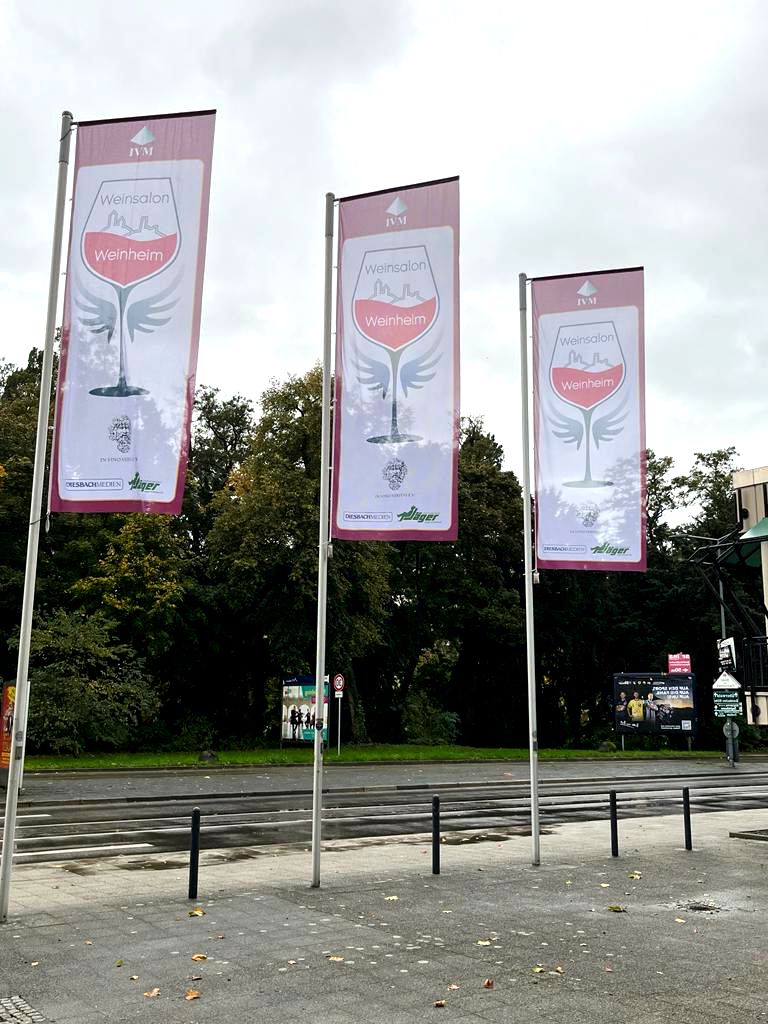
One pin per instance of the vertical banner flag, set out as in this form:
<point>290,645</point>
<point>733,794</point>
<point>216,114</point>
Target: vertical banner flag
<point>396,422</point>
<point>588,379</point>
<point>132,314</point>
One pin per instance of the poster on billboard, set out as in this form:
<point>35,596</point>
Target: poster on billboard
<point>654,703</point>
<point>299,709</point>
<point>7,705</point>
<point>589,420</point>
<point>131,314</point>
<point>396,419</point>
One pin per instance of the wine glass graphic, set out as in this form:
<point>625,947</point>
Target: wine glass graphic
<point>395,303</point>
<point>587,368</point>
<point>131,234</point>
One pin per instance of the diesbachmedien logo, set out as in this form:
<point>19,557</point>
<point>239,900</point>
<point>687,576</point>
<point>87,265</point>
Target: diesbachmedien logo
<point>367,517</point>
<point>94,485</point>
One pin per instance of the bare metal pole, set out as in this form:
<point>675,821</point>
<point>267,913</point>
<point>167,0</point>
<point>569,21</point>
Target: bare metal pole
<point>528,565</point>
<point>16,770</point>
<point>322,562</point>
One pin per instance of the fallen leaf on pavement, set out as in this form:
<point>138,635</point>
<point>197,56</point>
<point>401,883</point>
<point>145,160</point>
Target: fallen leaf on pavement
<point>439,1003</point>
<point>617,908</point>
<point>336,959</point>
<point>635,875</point>
<point>607,968</point>
<point>679,920</point>
<point>191,993</point>
<point>605,885</point>
<point>483,942</point>
<point>390,898</point>
<point>118,963</point>
<point>195,977</point>
<point>35,963</point>
<point>559,970</point>
<point>538,969</point>
<point>152,993</point>
<point>199,956</point>
<point>452,987</point>
<point>488,983</point>
<point>88,942</point>
<point>219,936</point>
<point>134,977</point>
<point>197,912</point>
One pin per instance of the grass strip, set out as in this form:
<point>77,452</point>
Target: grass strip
<point>375,752</point>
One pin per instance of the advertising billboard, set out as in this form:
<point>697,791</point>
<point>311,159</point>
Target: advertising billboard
<point>654,703</point>
<point>299,709</point>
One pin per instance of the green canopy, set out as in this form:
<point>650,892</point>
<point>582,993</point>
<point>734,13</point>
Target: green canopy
<point>746,549</point>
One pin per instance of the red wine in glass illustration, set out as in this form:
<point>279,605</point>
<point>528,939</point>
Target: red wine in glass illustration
<point>131,235</point>
<point>587,368</point>
<point>394,305</point>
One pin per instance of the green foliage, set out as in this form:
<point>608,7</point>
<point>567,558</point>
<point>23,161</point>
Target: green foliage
<point>88,691</point>
<point>430,637</point>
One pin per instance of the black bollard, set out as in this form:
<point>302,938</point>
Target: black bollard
<point>194,853</point>
<point>435,835</point>
<point>687,818</point>
<point>614,825</point>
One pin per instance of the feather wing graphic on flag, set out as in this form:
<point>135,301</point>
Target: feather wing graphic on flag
<point>142,315</point>
<point>101,313</point>
<point>415,373</point>
<point>607,427</point>
<point>373,374</point>
<point>566,428</point>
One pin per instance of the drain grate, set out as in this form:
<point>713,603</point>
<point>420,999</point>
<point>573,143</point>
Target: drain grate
<point>14,1010</point>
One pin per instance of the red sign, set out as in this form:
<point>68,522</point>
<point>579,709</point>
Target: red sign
<point>679,663</point>
<point>338,683</point>
<point>6,725</point>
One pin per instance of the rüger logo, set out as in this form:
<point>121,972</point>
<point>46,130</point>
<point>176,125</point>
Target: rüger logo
<point>608,549</point>
<point>416,516</point>
<point>137,484</point>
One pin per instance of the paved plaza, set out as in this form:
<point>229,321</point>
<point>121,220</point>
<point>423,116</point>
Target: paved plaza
<point>656,935</point>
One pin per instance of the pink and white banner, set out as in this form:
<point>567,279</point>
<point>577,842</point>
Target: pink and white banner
<point>132,314</point>
<point>589,420</point>
<point>396,423</point>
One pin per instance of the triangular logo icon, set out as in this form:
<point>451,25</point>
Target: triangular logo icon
<point>397,207</point>
<point>587,289</point>
<point>143,137</point>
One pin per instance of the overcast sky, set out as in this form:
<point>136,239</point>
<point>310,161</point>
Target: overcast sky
<point>587,135</point>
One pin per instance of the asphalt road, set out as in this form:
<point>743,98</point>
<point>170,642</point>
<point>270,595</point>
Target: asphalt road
<point>72,817</point>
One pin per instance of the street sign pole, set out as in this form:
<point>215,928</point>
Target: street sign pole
<point>338,689</point>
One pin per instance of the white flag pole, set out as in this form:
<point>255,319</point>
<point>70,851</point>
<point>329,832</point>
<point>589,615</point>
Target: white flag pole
<point>16,769</point>
<point>322,562</point>
<point>528,565</point>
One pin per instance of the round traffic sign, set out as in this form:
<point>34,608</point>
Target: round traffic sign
<point>731,730</point>
<point>338,682</point>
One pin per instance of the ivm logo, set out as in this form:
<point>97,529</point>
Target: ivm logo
<point>587,295</point>
<point>396,214</point>
<point>142,143</point>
